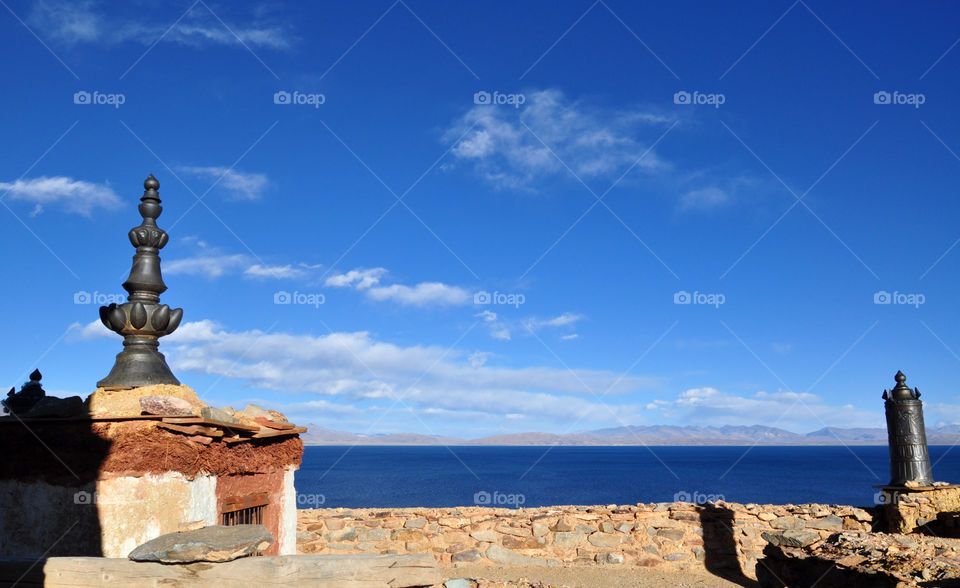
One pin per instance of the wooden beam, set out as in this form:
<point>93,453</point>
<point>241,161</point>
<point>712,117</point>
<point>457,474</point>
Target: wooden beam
<point>350,571</point>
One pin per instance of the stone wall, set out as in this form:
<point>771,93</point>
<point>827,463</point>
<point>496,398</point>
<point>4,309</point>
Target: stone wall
<point>934,510</point>
<point>716,536</point>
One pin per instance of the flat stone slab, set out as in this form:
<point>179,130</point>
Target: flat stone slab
<point>323,571</point>
<point>210,544</point>
<point>166,406</point>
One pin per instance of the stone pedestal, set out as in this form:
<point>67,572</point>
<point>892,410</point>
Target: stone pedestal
<point>922,509</point>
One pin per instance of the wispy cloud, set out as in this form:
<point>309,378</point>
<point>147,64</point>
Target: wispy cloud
<point>593,141</point>
<point>211,262</point>
<point>241,186</point>
<point>74,23</point>
<point>368,281</point>
<point>353,367</point>
<point>73,195</point>
<point>795,411</point>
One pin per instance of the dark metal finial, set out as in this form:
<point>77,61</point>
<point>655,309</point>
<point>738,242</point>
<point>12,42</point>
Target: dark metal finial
<point>142,320</point>
<point>36,376</point>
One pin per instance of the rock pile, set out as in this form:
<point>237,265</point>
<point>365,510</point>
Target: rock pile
<point>858,558</point>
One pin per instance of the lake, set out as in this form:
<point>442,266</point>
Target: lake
<point>382,477</point>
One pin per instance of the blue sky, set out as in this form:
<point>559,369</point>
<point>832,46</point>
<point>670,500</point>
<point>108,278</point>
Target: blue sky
<point>379,166</point>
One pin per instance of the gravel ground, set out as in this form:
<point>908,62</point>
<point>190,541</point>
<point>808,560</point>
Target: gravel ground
<point>587,576</point>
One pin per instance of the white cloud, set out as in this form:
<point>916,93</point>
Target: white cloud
<point>74,195</point>
<point>570,337</point>
<point>501,333</point>
<point>567,318</point>
<point>208,266</point>
<point>422,294</point>
<point>593,142</point>
<point>80,22</point>
<point>795,411</point>
<point>704,199</point>
<point>242,186</point>
<point>487,316</point>
<point>92,330</point>
<point>355,368</point>
<point>274,271</point>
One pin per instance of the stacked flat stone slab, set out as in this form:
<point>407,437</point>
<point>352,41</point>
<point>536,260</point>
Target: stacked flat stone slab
<point>677,535</point>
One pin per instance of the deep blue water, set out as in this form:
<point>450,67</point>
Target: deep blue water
<point>378,477</point>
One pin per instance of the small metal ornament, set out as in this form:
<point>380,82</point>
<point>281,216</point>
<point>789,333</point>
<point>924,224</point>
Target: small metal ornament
<point>142,320</point>
<point>909,457</point>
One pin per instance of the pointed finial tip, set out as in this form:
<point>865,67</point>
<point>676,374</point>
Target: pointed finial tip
<point>151,183</point>
<point>36,376</point>
<point>900,378</point>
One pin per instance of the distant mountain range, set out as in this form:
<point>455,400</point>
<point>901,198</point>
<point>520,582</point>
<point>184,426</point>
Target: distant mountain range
<point>645,435</point>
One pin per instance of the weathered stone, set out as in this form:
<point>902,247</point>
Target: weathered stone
<point>677,556</point>
<point>672,534</point>
<point>466,556</point>
<point>374,535</point>
<point>487,536</point>
<point>417,546</point>
<point>503,556</point>
<point>625,527</point>
<point>515,531</point>
<point>565,540</point>
<point>539,529</point>
<point>166,406</point>
<point>348,534</point>
<point>406,535</point>
<point>684,516</point>
<point>252,411</point>
<point>417,523</point>
<point>787,523</point>
<point>606,527</point>
<point>511,542</point>
<point>601,539</point>
<point>609,557</point>
<point>458,583</point>
<point>562,526</point>
<point>791,537</point>
<point>585,529</point>
<point>211,544</point>
<point>334,524</point>
<point>830,523</point>
<point>766,516</point>
<point>210,413</point>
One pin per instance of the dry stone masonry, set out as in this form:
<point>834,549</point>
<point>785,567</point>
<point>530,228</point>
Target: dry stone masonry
<point>677,535</point>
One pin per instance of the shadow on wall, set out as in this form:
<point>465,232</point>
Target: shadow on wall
<point>720,545</point>
<point>48,477</point>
